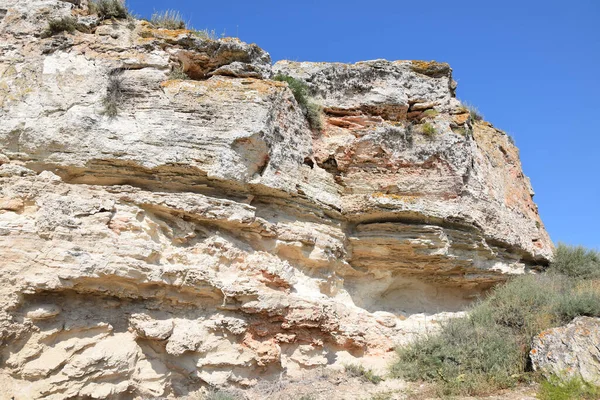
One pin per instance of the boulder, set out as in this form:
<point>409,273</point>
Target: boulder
<point>570,351</point>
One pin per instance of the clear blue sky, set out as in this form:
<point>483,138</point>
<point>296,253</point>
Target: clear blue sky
<point>531,67</point>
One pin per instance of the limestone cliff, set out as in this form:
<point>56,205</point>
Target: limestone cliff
<point>206,234</point>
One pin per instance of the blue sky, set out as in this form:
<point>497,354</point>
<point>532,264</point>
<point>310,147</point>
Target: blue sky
<point>531,67</point>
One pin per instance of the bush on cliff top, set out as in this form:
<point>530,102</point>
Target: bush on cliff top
<point>106,9</point>
<point>489,349</point>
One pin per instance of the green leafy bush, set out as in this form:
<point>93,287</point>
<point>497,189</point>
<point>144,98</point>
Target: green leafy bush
<point>580,301</point>
<point>299,88</point>
<point>106,9</point>
<point>169,19</point>
<point>489,349</point>
<point>576,262</point>
<point>312,111</point>
<point>465,358</point>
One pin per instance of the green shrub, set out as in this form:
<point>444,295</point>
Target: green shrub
<point>578,302</point>
<point>574,389</point>
<point>312,111</point>
<point>358,371</point>
<point>489,349</point>
<point>169,19</point>
<point>576,262</point>
<point>114,95</point>
<point>106,9</point>
<point>65,24</point>
<point>466,358</point>
<point>314,115</point>
<point>299,88</point>
<point>428,130</point>
<point>525,304</point>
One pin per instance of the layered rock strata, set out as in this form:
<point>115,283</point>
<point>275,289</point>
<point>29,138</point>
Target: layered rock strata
<point>206,235</point>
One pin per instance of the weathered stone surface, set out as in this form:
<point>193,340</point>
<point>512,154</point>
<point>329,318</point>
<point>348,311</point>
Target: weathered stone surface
<point>206,235</point>
<point>570,351</point>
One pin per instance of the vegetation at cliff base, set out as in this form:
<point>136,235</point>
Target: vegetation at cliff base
<point>577,262</point>
<point>312,110</point>
<point>489,349</point>
<point>365,374</point>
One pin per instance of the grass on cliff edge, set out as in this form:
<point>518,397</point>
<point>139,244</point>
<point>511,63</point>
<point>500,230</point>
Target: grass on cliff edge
<point>489,350</point>
<point>169,19</point>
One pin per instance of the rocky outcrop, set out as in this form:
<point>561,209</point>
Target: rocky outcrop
<point>570,351</point>
<point>206,235</point>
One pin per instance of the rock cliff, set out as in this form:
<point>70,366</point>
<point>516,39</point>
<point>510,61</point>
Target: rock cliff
<point>204,233</point>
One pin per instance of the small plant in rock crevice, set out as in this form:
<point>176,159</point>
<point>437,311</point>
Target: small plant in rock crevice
<point>64,24</point>
<point>114,95</point>
<point>312,110</point>
<point>178,74</point>
<point>428,130</point>
<point>431,113</point>
<point>473,112</point>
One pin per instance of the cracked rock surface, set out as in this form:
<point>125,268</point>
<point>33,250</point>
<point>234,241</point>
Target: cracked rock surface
<point>205,235</point>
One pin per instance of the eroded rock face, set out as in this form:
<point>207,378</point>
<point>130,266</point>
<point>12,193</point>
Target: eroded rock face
<point>570,351</point>
<point>205,235</point>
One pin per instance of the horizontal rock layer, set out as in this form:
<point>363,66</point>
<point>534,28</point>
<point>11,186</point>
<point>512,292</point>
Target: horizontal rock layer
<point>206,235</point>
